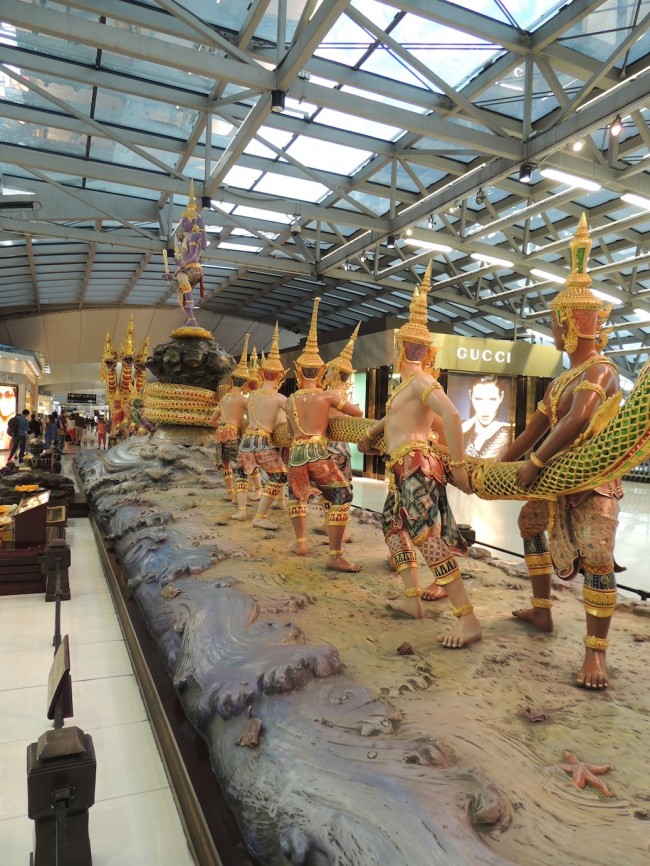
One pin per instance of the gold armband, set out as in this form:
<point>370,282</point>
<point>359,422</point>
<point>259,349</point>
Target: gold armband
<point>457,464</point>
<point>341,404</point>
<point>591,386</point>
<point>434,386</point>
<point>534,459</point>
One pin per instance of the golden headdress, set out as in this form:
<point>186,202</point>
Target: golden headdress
<point>272,362</point>
<point>253,367</point>
<point>576,304</point>
<point>241,370</point>
<point>110,355</point>
<point>127,349</point>
<point>415,330</point>
<point>191,211</point>
<point>344,360</point>
<point>310,359</point>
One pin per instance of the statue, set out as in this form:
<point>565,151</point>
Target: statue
<point>228,418</point>
<point>582,526</point>
<point>416,509</point>
<point>265,411</point>
<point>310,465</point>
<point>338,377</point>
<point>190,240</point>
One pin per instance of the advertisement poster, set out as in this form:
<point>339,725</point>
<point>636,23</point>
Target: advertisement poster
<point>486,408</point>
<point>7,411</point>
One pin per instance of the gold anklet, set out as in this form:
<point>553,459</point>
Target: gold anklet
<point>335,552</point>
<point>301,540</point>
<point>599,644</point>
<point>544,603</point>
<point>413,592</point>
<point>463,610</point>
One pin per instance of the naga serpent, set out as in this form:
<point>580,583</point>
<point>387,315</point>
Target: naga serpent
<point>611,452</point>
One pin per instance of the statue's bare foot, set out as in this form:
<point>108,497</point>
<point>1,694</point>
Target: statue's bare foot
<point>300,548</point>
<point>593,673</point>
<point>408,606</point>
<point>263,523</point>
<point>433,592</point>
<point>540,617</point>
<point>238,515</point>
<point>255,495</point>
<point>466,631</point>
<point>340,563</point>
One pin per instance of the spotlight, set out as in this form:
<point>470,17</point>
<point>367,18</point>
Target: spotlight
<point>616,127</point>
<point>206,202</point>
<point>577,146</point>
<point>409,231</point>
<point>431,222</point>
<point>277,101</point>
<point>480,197</point>
<point>363,257</point>
<point>347,266</point>
<point>390,242</point>
<point>525,173</point>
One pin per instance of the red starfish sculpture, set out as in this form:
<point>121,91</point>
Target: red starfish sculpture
<point>583,774</point>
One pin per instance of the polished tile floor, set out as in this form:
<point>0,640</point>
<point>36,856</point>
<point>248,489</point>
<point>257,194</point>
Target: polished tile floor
<point>134,819</point>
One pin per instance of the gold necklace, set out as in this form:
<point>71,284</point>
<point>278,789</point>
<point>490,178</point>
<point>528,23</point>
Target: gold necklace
<point>400,388</point>
<point>564,379</point>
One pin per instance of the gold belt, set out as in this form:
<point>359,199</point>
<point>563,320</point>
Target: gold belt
<point>404,450</point>
<point>312,440</point>
<point>233,428</point>
<point>258,431</point>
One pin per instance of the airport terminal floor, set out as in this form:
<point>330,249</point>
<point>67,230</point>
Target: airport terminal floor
<point>134,819</point>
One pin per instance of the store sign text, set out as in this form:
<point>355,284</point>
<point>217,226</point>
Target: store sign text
<point>499,356</point>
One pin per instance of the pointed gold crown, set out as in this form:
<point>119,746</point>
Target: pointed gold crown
<point>241,370</point>
<point>272,362</point>
<point>577,295</point>
<point>191,211</point>
<point>141,357</point>
<point>310,357</point>
<point>415,330</point>
<point>344,360</point>
<point>128,346</point>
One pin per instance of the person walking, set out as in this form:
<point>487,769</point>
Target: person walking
<point>19,438</point>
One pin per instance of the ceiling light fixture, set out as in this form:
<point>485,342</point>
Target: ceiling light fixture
<point>616,127</point>
<point>578,145</point>
<point>480,197</point>
<point>409,231</point>
<point>277,101</point>
<point>638,200</point>
<point>526,172</point>
<point>346,265</point>
<point>206,202</point>
<point>363,257</point>
<point>547,275</point>
<point>570,179</point>
<point>431,222</point>
<point>425,245</point>
<point>390,242</point>
<point>492,260</point>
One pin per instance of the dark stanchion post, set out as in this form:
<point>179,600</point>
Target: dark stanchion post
<point>57,608</point>
<point>61,772</point>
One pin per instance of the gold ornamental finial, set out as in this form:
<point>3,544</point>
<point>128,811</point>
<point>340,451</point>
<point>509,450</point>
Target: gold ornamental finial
<point>127,349</point>
<point>344,360</point>
<point>576,307</point>
<point>310,359</point>
<point>415,330</point>
<point>191,211</point>
<point>272,362</point>
<point>576,294</point>
<point>241,370</point>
